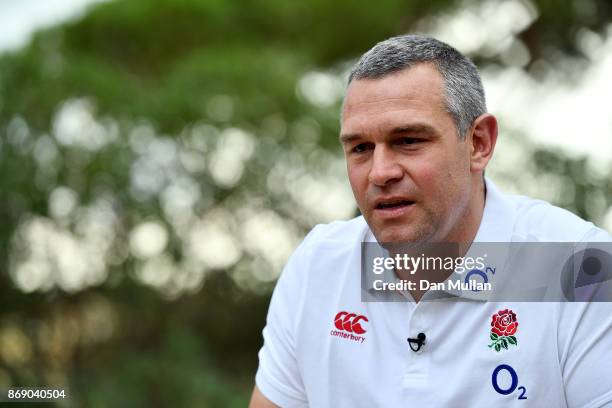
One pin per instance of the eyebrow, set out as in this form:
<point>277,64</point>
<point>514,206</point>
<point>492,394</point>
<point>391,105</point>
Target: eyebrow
<point>349,137</point>
<point>417,128</point>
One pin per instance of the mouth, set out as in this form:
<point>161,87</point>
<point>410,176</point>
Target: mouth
<point>393,207</point>
<point>393,204</point>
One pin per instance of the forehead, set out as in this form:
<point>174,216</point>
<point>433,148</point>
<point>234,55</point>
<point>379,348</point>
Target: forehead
<point>413,94</point>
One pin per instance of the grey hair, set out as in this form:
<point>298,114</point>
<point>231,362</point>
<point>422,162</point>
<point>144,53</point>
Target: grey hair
<point>464,99</point>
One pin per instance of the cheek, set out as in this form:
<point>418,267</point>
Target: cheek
<point>437,183</point>
<point>442,172</point>
<point>358,178</point>
<point>428,175</point>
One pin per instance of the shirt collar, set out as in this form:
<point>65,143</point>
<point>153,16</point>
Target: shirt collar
<point>498,216</point>
<point>496,225</point>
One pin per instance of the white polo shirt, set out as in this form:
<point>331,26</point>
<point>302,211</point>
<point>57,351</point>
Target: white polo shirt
<point>324,347</point>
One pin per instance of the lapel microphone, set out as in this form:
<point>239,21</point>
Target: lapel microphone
<point>419,341</point>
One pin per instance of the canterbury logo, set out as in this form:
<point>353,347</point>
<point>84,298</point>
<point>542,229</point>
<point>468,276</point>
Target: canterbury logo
<point>350,322</point>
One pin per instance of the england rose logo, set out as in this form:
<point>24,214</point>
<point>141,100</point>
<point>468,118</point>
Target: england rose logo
<point>503,328</point>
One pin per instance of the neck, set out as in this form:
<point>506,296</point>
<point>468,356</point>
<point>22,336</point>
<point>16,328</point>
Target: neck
<point>468,221</point>
<point>463,234</point>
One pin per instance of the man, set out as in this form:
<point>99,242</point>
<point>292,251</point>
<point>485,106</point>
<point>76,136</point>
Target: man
<point>417,139</point>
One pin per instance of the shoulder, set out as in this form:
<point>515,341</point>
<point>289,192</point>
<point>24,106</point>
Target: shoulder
<point>327,243</point>
<point>538,220</point>
<point>337,233</point>
<point>319,264</point>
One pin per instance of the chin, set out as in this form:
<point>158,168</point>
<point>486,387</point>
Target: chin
<point>402,234</point>
<point>396,236</point>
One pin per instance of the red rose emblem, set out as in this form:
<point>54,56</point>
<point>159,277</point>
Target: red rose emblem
<point>503,327</point>
<point>504,323</point>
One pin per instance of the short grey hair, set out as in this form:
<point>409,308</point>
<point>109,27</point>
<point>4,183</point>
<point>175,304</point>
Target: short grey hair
<point>464,99</point>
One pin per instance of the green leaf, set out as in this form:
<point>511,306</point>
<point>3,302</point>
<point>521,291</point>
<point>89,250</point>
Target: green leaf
<point>504,343</point>
<point>494,336</point>
<point>497,347</point>
<point>512,340</point>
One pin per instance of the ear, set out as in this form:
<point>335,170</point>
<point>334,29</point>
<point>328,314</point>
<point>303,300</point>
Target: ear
<point>483,139</point>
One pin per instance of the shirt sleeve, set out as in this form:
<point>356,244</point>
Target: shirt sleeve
<point>278,376</point>
<point>585,333</point>
<point>585,348</point>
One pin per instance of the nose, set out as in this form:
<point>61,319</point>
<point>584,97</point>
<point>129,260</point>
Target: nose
<point>385,169</point>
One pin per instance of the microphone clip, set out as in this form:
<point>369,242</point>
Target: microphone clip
<point>419,341</point>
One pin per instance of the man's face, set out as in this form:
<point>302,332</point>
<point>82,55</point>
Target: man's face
<point>409,171</point>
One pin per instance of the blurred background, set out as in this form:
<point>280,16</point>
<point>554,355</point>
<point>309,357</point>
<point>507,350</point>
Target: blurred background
<point>161,159</point>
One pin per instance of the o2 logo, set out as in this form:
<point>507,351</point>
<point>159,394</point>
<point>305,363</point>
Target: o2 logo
<point>478,272</point>
<point>513,385</point>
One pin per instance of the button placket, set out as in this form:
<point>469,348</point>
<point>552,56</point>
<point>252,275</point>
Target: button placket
<point>417,364</point>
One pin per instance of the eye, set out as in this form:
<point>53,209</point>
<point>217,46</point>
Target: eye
<point>408,141</point>
<point>360,148</point>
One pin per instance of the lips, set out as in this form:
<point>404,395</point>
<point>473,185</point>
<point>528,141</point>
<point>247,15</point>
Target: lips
<point>392,207</point>
<point>393,203</point>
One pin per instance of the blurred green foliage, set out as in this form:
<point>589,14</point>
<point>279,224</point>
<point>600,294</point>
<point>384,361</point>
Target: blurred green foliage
<point>90,109</point>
